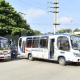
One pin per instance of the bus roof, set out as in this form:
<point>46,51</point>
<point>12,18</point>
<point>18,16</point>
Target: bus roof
<point>48,35</point>
<point>3,38</point>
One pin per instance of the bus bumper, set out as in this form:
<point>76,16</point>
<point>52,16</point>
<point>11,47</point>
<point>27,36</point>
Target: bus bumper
<point>75,59</point>
<point>7,56</point>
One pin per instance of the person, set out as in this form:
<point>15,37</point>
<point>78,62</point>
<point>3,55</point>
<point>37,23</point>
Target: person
<point>13,52</point>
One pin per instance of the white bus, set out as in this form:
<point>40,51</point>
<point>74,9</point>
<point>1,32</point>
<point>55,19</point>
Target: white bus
<point>59,47</point>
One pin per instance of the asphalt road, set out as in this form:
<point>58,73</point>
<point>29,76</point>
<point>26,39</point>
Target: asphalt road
<point>37,70</point>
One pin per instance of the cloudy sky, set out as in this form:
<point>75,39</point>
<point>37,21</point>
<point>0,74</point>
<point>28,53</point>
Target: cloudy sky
<point>36,12</point>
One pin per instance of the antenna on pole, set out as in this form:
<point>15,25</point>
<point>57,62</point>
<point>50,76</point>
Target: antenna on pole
<point>55,8</point>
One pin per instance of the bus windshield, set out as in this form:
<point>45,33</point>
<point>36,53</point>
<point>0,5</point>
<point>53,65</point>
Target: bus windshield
<point>75,42</point>
<point>3,44</point>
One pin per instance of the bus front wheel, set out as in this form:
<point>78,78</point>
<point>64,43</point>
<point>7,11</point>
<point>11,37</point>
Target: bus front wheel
<point>62,61</point>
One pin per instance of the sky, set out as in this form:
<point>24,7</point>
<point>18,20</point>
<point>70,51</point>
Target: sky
<point>37,14</point>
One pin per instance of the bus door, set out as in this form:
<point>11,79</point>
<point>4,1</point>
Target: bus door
<point>51,48</point>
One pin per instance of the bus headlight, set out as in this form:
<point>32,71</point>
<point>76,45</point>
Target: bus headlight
<point>76,54</point>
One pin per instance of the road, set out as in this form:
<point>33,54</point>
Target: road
<point>37,70</point>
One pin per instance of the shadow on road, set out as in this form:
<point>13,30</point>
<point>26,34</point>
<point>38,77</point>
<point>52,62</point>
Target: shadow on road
<point>9,60</point>
<point>41,60</point>
<point>73,64</point>
<point>55,62</point>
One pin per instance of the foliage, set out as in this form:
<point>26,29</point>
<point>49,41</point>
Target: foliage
<point>76,30</point>
<point>11,22</point>
<point>37,32</point>
<point>65,31</point>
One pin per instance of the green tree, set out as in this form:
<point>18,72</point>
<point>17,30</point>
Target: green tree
<point>11,22</point>
<point>76,30</point>
<point>65,31</point>
<point>37,32</point>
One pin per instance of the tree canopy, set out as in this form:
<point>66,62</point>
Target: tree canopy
<point>11,22</point>
<point>65,31</point>
<point>76,30</point>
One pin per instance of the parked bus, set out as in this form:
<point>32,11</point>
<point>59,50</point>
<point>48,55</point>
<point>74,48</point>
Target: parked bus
<point>59,47</point>
<point>4,48</point>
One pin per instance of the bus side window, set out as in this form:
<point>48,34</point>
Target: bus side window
<point>44,43</point>
<point>35,43</point>
<point>29,42</point>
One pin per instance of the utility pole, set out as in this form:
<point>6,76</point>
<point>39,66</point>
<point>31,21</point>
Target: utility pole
<point>55,10</point>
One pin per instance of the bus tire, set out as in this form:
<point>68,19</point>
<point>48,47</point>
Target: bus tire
<point>30,57</point>
<point>62,61</point>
